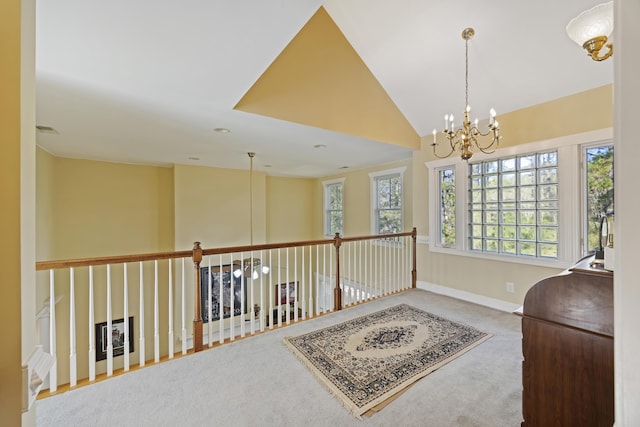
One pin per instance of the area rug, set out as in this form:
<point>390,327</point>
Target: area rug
<point>368,360</point>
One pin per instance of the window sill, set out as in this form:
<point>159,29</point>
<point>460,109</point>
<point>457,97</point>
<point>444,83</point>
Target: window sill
<point>539,262</point>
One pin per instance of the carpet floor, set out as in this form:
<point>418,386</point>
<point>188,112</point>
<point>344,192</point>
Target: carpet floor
<point>260,382</point>
<point>366,361</point>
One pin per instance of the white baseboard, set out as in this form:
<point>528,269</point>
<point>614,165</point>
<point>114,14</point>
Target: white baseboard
<point>468,296</point>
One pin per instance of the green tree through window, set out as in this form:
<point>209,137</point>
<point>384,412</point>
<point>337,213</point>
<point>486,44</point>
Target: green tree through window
<point>599,162</point>
<point>447,207</point>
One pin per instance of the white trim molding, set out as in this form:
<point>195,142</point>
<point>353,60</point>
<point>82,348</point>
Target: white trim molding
<point>494,303</point>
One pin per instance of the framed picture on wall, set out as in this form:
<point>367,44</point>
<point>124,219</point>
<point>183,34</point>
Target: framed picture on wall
<point>232,292</point>
<point>115,335</point>
<point>286,293</point>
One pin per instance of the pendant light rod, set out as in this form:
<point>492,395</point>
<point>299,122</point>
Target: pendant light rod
<point>251,156</point>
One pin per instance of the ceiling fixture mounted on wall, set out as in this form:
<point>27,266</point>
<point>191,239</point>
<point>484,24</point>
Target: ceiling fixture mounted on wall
<point>591,30</point>
<point>466,137</point>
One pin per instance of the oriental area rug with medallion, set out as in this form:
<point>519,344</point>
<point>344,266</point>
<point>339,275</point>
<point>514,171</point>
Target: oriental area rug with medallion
<point>368,361</point>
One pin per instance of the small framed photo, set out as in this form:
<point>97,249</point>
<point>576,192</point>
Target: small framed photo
<point>115,335</point>
<point>286,293</point>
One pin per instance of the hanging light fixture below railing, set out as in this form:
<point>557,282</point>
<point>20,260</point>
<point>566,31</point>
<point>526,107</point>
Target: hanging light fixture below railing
<point>468,136</point>
<point>250,266</point>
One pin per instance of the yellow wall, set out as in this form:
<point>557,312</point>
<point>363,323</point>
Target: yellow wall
<point>90,209</point>
<point>578,113</point>
<point>289,209</point>
<point>45,189</point>
<point>212,207</point>
<point>10,259</point>
<point>105,208</point>
<point>357,199</point>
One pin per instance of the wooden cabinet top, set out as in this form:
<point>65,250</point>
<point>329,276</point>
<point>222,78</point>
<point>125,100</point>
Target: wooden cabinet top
<point>580,297</point>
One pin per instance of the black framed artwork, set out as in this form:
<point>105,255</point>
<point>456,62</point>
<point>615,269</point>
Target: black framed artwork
<point>286,293</point>
<point>116,335</point>
<point>232,292</point>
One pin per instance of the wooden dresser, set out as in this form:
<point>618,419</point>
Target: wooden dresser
<point>567,344</point>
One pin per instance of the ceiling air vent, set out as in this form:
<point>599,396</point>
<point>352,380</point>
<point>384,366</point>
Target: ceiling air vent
<point>46,129</point>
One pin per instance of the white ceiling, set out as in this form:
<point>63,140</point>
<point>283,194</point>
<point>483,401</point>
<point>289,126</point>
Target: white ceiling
<point>147,81</point>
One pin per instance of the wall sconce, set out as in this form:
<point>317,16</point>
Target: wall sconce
<point>592,28</point>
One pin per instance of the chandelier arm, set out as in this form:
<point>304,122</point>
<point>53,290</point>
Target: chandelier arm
<point>487,149</point>
<point>453,148</point>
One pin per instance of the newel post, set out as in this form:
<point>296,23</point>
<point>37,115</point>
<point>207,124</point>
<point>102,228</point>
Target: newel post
<point>197,314</point>
<point>337,292</point>
<point>414,271</point>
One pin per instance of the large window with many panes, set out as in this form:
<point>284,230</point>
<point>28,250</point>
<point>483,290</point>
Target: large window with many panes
<point>513,205</point>
<point>538,203</point>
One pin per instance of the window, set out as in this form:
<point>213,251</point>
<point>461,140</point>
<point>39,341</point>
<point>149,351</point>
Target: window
<point>526,203</point>
<point>386,197</point>
<point>447,206</point>
<point>513,205</point>
<point>598,161</point>
<point>333,207</point>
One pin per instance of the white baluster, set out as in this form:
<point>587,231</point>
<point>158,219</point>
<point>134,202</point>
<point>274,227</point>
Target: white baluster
<point>271,320</point>
<point>92,342</point>
<point>243,284</point>
<point>127,358</point>
<point>303,293</point>
<point>232,329</point>
<point>279,290</point>
<point>261,313</point>
<point>318,294</point>
<point>156,315</point>
<point>53,373</point>
<point>170,337</point>
<point>108,336</point>
<point>310,283</point>
<point>183,310</point>
<point>287,308</point>
<point>73,368</point>
<point>346,273</point>
<point>251,298</point>
<point>295,286</point>
<point>209,305</point>
<point>221,301</point>
<point>141,339</point>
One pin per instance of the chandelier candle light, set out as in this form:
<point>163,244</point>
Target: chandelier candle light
<point>466,137</point>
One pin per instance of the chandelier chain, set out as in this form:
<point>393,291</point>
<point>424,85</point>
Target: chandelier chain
<point>466,72</point>
<point>467,138</point>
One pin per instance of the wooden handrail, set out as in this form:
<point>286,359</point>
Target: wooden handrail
<point>197,253</point>
<point>119,259</point>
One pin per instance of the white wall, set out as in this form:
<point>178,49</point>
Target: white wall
<point>627,232</point>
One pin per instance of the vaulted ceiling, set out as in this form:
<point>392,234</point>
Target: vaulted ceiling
<point>309,86</point>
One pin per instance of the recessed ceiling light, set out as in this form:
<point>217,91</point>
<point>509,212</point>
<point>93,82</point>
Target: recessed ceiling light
<point>320,146</point>
<point>344,167</point>
<point>267,166</point>
<point>194,158</point>
<point>221,130</point>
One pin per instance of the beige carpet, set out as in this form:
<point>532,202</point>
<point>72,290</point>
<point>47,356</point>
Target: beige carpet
<point>368,360</point>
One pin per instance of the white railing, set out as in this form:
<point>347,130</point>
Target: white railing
<point>229,292</point>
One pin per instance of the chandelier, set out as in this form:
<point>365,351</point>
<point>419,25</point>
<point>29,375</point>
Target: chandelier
<point>468,136</point>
